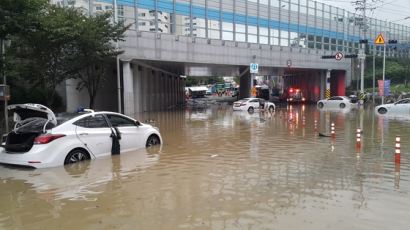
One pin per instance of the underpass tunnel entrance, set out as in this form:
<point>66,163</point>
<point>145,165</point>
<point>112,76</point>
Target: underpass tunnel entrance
<point>304,81</point>
<point>312,84</point>
<point>337,83</point>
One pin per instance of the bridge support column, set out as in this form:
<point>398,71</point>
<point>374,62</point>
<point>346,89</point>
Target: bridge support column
<point>138,89</point>
<point>144,90</point>
<point>158,91</point>
<point>163,90</point>
<point>128,89</point>
<point>327,92</point>
<point>245,86</point>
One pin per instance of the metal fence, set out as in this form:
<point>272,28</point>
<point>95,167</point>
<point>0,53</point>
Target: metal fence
<point>292,23</point>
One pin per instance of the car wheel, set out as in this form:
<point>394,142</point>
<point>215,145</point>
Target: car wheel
<point>251,109</point>
<point>75,156</point>
<point>342,105</point>
<point>153,140</point>
<point>320,104</point>
<point>271,109</point>
<point>382,110</point>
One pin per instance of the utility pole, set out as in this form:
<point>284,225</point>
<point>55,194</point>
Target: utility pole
<point>363,6</point>
<point>118,60</point>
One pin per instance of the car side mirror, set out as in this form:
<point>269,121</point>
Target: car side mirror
<point>137,123</point>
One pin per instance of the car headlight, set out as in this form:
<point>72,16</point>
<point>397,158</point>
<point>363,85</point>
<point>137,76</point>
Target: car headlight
<point>156,128</point>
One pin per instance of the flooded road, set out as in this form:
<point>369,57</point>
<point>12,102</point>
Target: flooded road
<point>220,169</point>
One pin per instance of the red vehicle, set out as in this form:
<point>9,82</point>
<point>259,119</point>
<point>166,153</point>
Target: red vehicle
<point>294,95</point>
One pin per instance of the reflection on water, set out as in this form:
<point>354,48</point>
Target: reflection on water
<point>220,169</point>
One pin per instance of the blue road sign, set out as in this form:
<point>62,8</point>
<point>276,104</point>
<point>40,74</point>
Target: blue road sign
<point>254,67</point>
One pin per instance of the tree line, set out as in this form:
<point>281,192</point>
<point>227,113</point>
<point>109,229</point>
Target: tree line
<point>48,44</point>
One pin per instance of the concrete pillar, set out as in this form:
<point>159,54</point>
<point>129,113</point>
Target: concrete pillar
<point>179,91</point>
<point>157,91</point>
<point>163,90</point>
<point>172,91</point>
<point>128,89</point>
<point>150,81</point>
<point>245,86</point>
<point>327,93</point>
<point>154,90</point>
<point>322,77</point>
<point>176,91</point>
<point>137,89</point>
<point>167,90</point>
<point>144,90</point>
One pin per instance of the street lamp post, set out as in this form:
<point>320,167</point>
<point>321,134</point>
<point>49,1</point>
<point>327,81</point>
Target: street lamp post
<point>118,61</point>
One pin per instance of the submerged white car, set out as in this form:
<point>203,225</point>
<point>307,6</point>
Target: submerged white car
<point>252,104</point>
<point>401,107</point>
<point>39,139</point>
<point>335,102</point>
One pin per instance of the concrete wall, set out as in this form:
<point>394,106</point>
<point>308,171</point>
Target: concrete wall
<point>106,98</point>
<point>152,89</point>
<point>167,47</point>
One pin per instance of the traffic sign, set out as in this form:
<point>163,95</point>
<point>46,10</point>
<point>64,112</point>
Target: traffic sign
<point>379,40</point>
<point>339,56</point>
<point>254,67</point>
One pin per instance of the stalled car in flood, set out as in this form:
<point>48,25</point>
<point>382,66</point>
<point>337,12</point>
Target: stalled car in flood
<point>252,104</point>
<point>336,102</point>
<point>39,139</point>
<point>401,107</point>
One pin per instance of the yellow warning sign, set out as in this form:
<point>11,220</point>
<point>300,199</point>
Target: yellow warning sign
<point>379,40</point>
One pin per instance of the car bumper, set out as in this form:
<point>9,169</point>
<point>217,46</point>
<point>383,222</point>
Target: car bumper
<point>39,156</point>
<point>239,108</point>
<point>23,159</point>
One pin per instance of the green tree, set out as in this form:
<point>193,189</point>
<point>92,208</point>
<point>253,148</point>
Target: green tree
<point>396,70</point>
<point>195,81</point>
<point>19,16</point>
<point>63,43</point>
<point>94,47</point>
<point>44,55</point>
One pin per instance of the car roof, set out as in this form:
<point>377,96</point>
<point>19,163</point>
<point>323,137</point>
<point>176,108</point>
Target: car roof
<point>85,114</point>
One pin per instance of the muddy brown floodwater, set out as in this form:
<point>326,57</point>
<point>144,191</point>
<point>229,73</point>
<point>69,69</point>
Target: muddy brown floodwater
<point>220,169</point>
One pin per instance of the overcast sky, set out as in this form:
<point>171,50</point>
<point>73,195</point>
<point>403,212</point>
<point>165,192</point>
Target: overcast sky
<point>390,10</point>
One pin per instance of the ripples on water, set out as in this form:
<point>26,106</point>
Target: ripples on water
<point>220,169</point>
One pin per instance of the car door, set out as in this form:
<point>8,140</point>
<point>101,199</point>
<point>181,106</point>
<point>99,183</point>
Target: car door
<point>335,101</point>
<point>254,103</point>
<point>132,136</point>
<point>407,106</point>
<point>93,131</point>
<point>402,106</point>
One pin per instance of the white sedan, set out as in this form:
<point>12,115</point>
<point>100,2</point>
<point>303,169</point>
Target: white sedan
<point>252,104</point>
<point>400,107</point>
<point>39,139</point>
<point>335,102</point>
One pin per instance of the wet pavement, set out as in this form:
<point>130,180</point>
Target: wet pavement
<point>220,169</point>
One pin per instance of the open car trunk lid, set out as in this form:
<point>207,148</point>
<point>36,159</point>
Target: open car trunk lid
<point>25,111</point>
<point>31,120</point>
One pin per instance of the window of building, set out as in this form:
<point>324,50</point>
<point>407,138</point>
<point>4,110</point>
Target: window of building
<point>120,10</point>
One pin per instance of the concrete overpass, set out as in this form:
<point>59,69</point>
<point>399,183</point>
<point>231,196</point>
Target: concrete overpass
<point>174,38</point>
